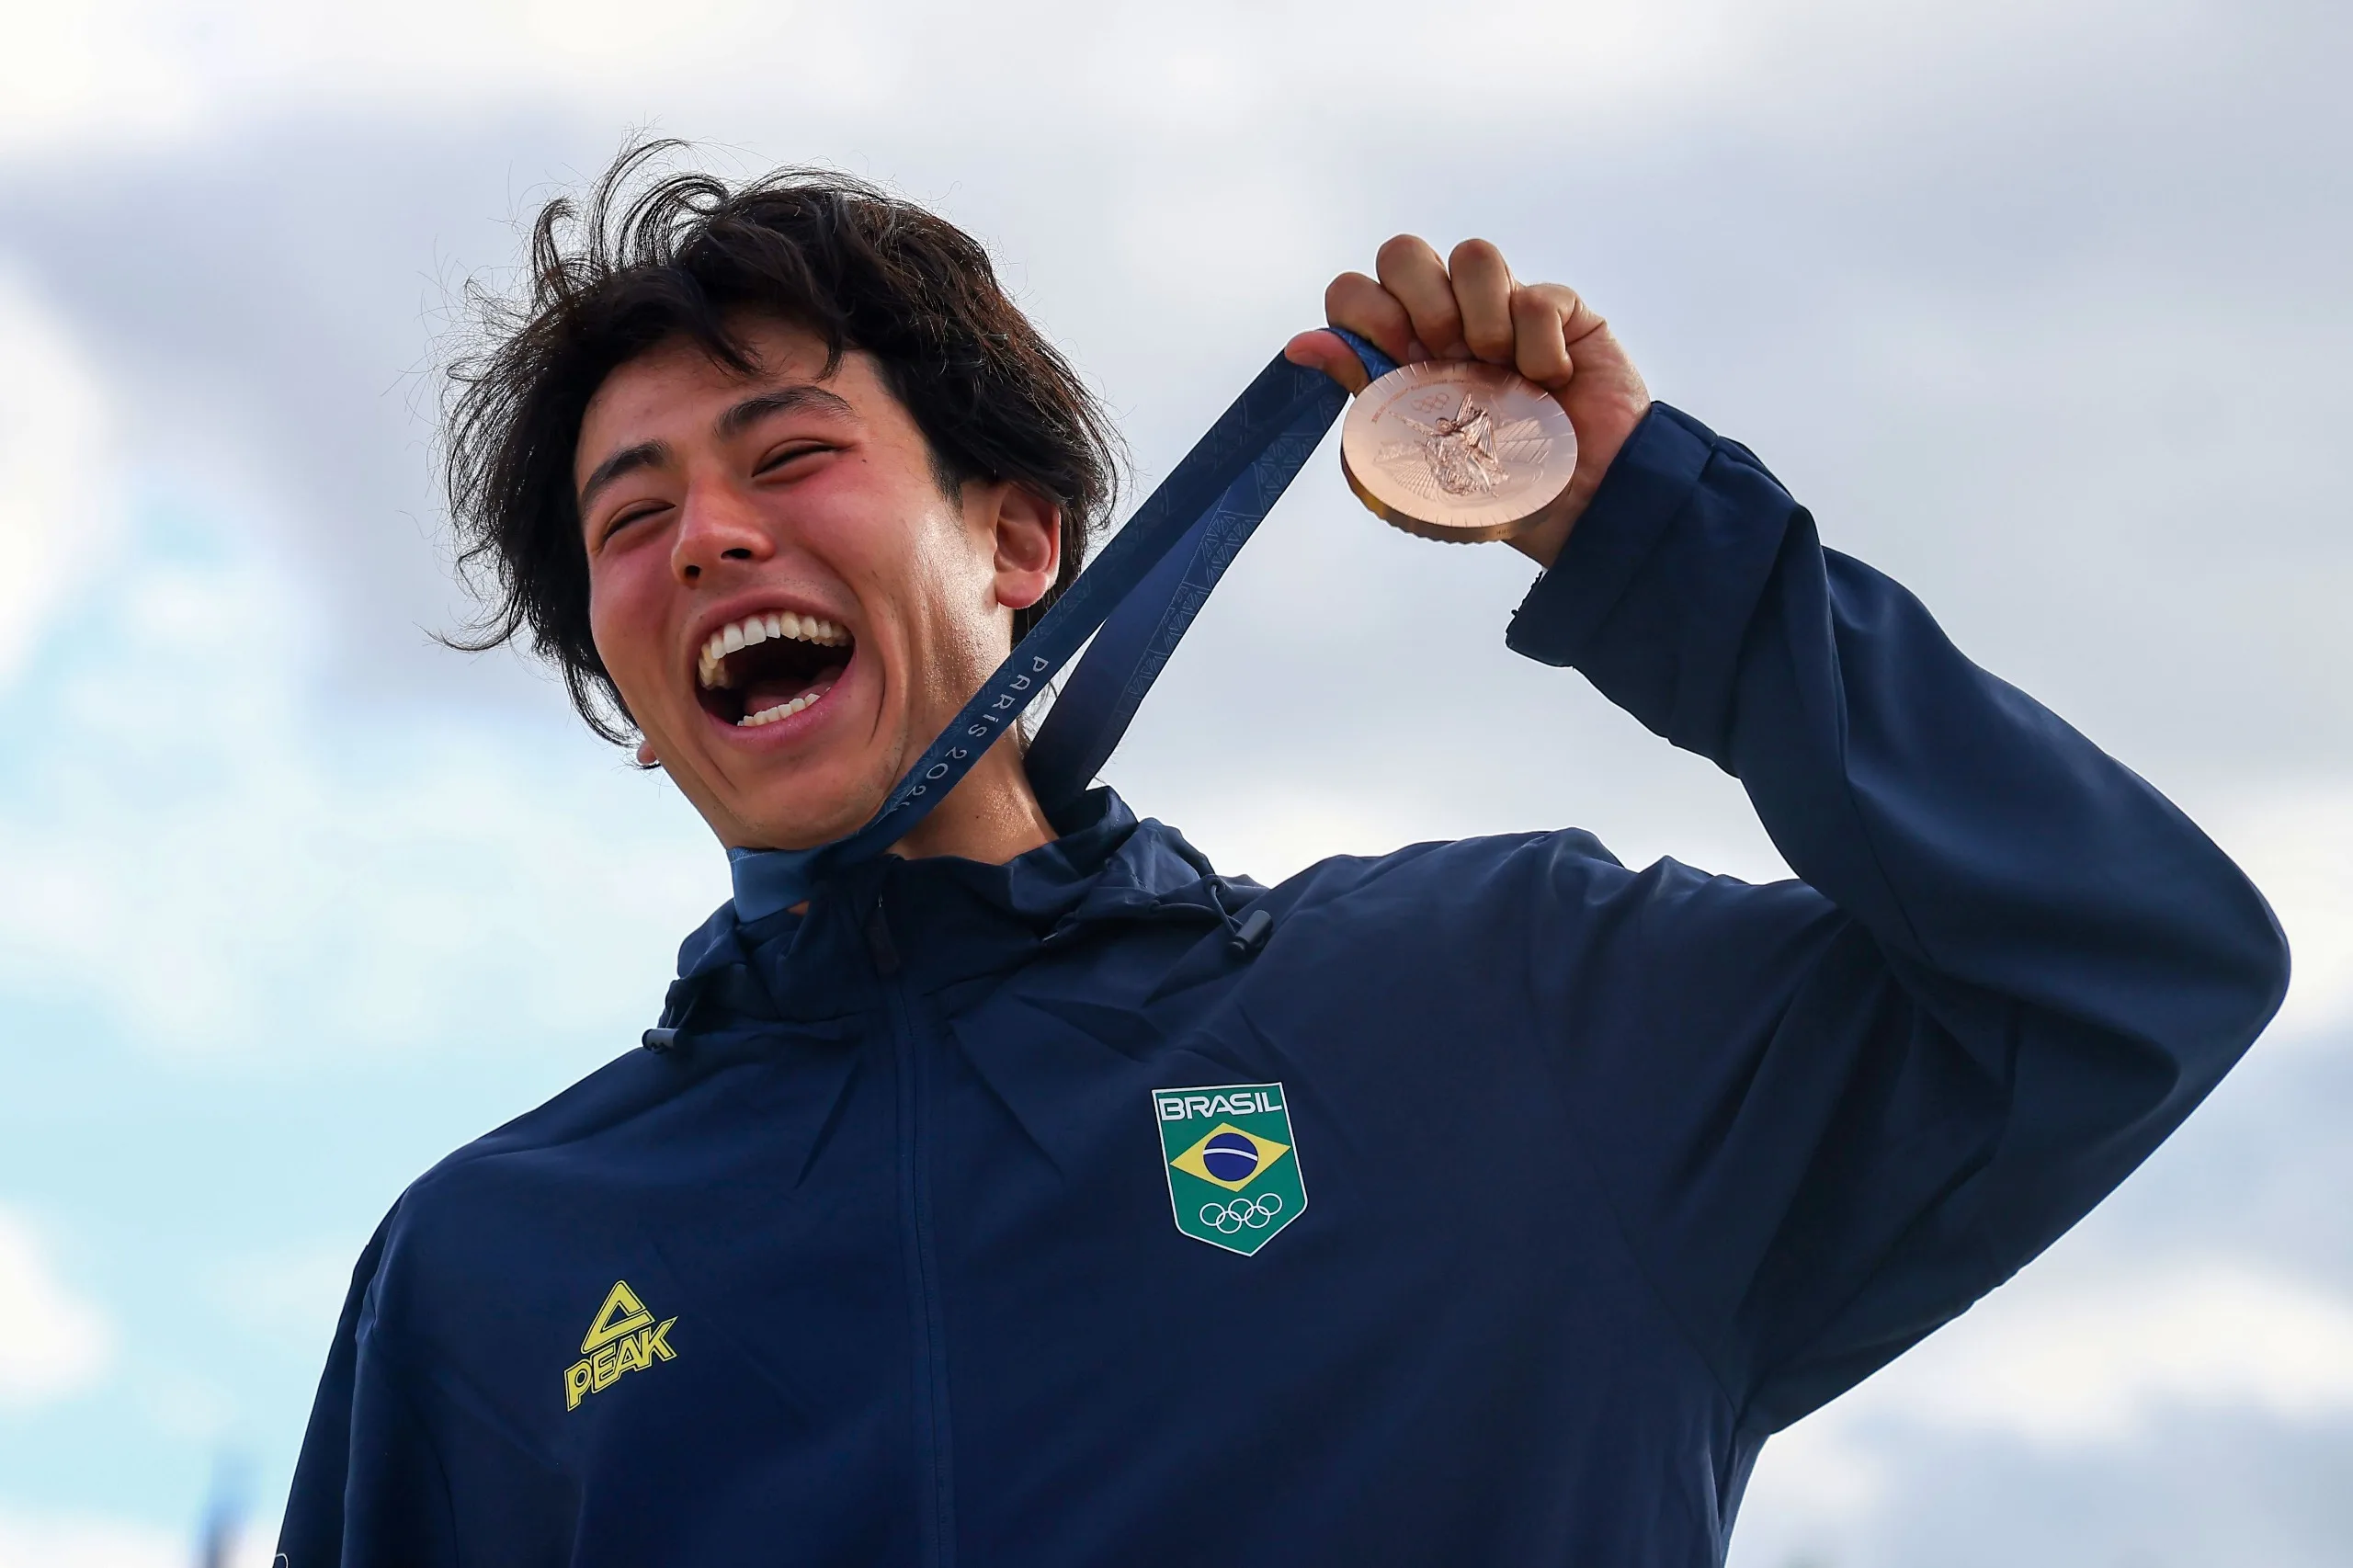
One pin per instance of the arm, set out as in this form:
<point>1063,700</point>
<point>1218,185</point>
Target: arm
<point>2013,970</point>
<point>369,1487</point>
<point>1833,1114</point>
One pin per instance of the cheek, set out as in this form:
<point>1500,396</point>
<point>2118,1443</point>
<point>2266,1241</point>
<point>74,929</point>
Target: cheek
<point>625,615</point>
<point>898,545</point>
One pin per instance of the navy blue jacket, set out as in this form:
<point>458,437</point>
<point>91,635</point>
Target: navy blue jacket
<point>1610,1173</point>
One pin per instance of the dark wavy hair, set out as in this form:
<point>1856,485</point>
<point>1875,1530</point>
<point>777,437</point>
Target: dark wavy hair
<point>652,255</point>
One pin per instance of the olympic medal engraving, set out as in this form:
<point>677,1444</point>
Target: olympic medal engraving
<point>1458,449</point>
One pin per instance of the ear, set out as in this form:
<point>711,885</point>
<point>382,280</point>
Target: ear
<point>1028,544</point>
<point>645,757</point>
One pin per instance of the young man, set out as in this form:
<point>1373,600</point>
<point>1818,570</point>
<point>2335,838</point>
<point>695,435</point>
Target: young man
<point>1516,1196</point>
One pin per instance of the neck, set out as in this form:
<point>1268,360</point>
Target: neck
<point>991,816</point>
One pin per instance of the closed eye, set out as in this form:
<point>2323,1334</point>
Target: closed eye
<point>624,517</point>
<point>777,462</point>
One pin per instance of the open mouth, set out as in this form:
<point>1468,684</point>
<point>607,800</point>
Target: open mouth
<point>769,666</point>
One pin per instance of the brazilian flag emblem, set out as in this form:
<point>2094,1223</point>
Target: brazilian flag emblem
<point>1233,1167</point>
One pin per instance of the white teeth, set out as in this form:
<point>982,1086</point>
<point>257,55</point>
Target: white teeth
<point>708,667</point>
<point>782,710</point>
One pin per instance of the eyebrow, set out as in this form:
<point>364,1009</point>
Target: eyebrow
<point>646,454</point>
<point>796,399</point>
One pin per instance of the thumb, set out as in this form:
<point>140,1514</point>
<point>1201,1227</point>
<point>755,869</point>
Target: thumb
<point>1324,351</point>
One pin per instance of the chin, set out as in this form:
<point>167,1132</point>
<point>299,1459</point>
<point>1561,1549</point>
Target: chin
<point>816,806</point>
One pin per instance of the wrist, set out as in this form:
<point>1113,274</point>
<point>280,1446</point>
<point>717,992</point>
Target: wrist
<point>1596,452</point>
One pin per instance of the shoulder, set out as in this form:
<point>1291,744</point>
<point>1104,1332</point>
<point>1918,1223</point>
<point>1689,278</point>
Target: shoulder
<point>1453,872</point>
<point>618,1092</point>
<point>1551,887</point>
<point>543,1162</point>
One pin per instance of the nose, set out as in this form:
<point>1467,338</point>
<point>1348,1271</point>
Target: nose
<point>716,526</point>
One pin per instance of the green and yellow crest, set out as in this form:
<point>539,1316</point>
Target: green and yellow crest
<point>1232,1162</point>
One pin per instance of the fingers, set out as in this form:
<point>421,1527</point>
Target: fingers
<point>1549,321</point>
<point>1411,271</point>
<point>1365,308</point>
<point>1482,286</point>
<point>1578,320</point>
<point>1464,306</point>
<point>1540,341</point>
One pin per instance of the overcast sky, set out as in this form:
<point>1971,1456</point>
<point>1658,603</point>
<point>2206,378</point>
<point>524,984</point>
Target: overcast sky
<point>2040,305</point>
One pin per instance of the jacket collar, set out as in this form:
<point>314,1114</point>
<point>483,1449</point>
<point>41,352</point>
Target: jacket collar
<point>949,918</point>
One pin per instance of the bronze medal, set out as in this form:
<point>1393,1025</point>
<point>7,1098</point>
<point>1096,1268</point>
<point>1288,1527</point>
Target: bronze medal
<point>1458,449</point>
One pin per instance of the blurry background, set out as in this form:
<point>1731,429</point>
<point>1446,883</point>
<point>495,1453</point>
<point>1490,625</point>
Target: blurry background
<point>2041,305</point>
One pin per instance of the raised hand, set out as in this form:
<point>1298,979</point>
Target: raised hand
<point>1469,306</point>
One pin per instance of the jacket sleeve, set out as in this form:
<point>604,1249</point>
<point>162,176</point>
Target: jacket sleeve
<point>369,1491</point>
<point>1834,1114</point>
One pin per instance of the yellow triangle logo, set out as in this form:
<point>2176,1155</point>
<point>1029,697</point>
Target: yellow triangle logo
<point>621,1313</point>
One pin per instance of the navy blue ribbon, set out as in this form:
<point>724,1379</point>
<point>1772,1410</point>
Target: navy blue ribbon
<point>1141,595</point>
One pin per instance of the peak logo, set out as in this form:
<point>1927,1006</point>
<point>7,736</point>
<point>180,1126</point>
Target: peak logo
<point>622,1337</point>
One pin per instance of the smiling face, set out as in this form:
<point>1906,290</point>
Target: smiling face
<point>788,598</point>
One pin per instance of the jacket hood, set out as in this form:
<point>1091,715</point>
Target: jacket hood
<point>955,917</point>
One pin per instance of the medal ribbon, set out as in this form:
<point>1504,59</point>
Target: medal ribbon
<point>1137,600</point>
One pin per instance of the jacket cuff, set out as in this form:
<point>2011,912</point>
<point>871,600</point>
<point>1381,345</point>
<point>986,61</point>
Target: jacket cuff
<point>1648,483</point>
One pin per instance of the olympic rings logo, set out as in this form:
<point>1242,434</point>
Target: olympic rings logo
<point>1230,1218</point>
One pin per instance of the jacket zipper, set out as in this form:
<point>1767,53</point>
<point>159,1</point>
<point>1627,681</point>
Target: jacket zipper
<point>934,1511</point>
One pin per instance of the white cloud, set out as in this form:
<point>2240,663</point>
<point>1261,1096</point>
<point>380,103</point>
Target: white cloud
<point>57,471</point>
<point>1278,828</point>
<point>2091,1364</point>
<point>305,878</point>
<point>141,70</point>
<point>64,1540</point>
<point>53,1342</point>
<point>31,1538</point>
<point>2065,1358</point>
<point>2296,841</point>
<point>147,68</point>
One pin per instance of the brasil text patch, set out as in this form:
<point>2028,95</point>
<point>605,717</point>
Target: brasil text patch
<point>1232,1162</point>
